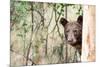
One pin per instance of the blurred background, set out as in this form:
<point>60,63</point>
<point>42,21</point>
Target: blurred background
<point>37,37</point>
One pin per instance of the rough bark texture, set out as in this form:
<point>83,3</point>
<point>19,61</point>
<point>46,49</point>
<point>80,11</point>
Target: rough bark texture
<point>88,46</point>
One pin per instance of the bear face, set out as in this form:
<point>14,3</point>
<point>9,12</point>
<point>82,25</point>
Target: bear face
<point>73,31</point>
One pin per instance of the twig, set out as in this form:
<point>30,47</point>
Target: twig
<point>47,33</point>
<point>31,36</point>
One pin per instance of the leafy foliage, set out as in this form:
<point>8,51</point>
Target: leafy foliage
<point>38,39</point>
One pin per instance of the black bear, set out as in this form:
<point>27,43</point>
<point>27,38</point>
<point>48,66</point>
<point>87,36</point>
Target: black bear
<point>73,32</point>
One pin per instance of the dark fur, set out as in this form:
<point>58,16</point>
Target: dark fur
<point>73,32</point>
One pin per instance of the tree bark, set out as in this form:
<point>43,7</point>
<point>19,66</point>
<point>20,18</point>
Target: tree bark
<point>88,41</point>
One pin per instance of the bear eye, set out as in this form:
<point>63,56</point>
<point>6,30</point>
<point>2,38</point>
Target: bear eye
<point>67,31</point>
<point>75,31</point>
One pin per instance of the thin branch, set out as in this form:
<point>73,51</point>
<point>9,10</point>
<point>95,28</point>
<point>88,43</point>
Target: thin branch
<point>50,18</point>
<point>47,33</point>
<point>56,20</point>
<point>30,36</point>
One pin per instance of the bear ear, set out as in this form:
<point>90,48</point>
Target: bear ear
<point>63,21</point>
<point>80,19</point>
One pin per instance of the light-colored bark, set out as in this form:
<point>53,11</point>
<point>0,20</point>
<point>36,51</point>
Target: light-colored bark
<point>88,43</point>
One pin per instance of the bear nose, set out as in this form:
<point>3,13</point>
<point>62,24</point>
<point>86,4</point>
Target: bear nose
<point>70,40</point>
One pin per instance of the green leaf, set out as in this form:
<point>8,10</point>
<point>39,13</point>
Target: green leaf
<point>20,35</point>
<point>62,14</point>
<point>25,30</point>
<point>58,6</point>
<point>78,13</point>
<point>24,24</point>
<point>62,10</point>
<point>58,12</point>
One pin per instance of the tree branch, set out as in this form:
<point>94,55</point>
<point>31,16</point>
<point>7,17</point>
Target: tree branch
<point>30,36</point>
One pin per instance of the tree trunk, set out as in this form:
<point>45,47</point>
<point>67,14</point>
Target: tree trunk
<point>88,41</point>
